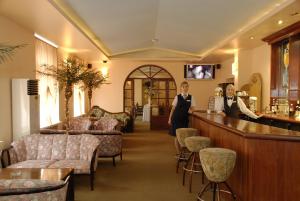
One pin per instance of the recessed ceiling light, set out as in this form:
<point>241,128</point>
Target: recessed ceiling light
<point>154,40</point>
<point>251,37</point>
<point>279,22</point>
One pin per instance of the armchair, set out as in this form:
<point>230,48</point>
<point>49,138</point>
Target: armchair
<point>32,189</point>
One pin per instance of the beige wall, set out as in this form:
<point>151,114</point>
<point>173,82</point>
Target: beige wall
<point>256,60</point>
<point>110,97</point>
<point>21,66</point>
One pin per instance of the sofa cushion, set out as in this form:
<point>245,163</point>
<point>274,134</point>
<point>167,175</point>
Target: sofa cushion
<point>79,166</point>
<point>32,164</point>
<point>59,147</point>
<point>25,186</point>
<point>31,143</point>
<point>110,145</point>
<point>105,124</point>
<point>45,147</point>
<point>19,148</point>
<point>73,147</point>
<point>15,185</point>
<point>95,112</point>
<point>80,124</point>
<point>89,143</point>
<point>122,117</point>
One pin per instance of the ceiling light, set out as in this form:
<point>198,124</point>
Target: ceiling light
<point>154,40</point>
<point>279,22</point>
<point>45,40</point>
<point>251,37</point>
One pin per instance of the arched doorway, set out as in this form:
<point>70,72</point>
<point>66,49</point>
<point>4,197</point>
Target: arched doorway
<point>148,94</point>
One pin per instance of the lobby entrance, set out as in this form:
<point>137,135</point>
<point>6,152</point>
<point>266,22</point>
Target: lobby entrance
<point>148,94</point>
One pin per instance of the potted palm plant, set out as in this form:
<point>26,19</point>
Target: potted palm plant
<point>92,80</point>
<point>68,73</point>
<point>7,51</point>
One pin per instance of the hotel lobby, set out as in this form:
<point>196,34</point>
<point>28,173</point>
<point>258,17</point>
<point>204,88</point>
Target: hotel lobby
<point>88,90</point>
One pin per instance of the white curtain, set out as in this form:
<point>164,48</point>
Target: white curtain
<point>78,94</point>
<point>48,86</point>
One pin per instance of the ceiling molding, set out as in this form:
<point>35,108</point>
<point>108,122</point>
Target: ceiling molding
<point>251,24</point>
<point>158,49</point>
<point>155,53</point>
<point>72,17</point>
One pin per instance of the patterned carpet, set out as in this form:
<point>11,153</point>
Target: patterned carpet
<point>146,173</point>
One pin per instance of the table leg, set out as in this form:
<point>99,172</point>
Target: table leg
<point>70,192</point>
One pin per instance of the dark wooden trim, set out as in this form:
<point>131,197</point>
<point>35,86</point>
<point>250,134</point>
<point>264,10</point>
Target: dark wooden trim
<point>3,153</point>
<point>283,33</point>
<point>92,171</point>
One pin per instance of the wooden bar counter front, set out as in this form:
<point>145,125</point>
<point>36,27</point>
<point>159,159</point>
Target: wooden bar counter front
<point>268,158</point>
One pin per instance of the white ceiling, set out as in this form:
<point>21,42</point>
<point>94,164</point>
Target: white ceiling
<point>39,16</point>
<point>124,29</point>
<point>190,26</point>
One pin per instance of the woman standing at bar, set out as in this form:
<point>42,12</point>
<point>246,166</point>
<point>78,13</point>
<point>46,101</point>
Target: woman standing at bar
<point>182,104</point>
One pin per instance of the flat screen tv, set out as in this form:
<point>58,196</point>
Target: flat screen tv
<point>199,71</point>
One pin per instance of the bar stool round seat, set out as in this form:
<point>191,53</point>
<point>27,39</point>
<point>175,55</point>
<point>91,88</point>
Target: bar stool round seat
<point>194,144</point>
<point>217,164</point>
<point>181,134</point>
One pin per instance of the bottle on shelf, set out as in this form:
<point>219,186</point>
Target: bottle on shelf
<point>291,110</point>
<point>297,109</point>
<point>273,106</point>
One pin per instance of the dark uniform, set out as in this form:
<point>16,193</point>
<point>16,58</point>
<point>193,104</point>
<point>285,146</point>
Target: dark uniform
<point>180,118</point>
<point>234,110</point>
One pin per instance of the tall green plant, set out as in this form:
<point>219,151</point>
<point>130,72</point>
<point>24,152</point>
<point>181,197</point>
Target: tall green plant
<point>92,80</point>
<point>68,73</point>
<point>7,51</point>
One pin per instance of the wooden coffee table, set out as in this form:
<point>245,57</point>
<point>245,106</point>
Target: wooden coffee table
<point>41,173</point>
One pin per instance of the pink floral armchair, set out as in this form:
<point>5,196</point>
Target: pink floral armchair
<point>78,152</point>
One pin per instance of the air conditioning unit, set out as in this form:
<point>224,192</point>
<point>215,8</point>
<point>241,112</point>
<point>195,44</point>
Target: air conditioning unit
<point>25,107</point>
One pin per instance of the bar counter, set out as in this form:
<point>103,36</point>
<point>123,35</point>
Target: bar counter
<point>268,158</point>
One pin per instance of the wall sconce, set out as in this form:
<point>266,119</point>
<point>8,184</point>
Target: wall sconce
<point>104,68</point>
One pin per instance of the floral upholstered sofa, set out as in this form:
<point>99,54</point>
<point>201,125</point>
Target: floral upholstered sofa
<point>32,189</point>
<point>125,119</point>
<point>104,128</point>
<point>55,151</point>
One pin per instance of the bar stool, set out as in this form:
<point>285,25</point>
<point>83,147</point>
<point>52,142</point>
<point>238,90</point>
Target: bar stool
<point>194,144</point>
<point>217,164</point>
<point>181,134</point>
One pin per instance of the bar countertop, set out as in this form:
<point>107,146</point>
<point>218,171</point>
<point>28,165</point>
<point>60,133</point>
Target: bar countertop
<point>248,129</point>
<point>282,118</point>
